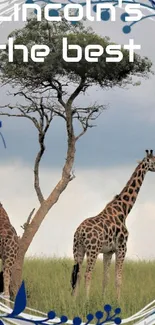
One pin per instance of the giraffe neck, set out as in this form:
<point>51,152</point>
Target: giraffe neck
<point>128,195</point>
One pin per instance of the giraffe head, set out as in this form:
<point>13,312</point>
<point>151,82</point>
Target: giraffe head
<point>150,160</point>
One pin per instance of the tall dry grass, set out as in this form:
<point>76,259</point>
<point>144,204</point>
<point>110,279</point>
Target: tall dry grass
<point>48,284</point>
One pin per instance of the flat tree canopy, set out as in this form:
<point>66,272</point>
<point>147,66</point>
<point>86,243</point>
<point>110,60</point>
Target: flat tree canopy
<point>32,74</point>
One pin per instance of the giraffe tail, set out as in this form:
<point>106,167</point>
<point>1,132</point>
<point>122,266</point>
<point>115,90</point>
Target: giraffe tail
<point>74,275</point>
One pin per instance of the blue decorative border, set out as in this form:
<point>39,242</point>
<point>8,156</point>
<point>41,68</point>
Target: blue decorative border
<point>105,15</point>
<point>99,318</point>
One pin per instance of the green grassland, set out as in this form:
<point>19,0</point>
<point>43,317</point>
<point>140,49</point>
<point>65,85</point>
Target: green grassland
<point>48,284</point>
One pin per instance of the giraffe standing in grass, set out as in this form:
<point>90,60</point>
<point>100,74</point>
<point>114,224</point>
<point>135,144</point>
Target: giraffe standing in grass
<point>9,244</point>
<point>107,233</point>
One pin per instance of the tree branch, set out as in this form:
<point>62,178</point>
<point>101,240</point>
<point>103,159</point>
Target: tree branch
<point>85,120</point>
<point>41,138</point>
<point>76,92</point>
<point>58,89</point>
<point>47,204</point>
<point>33,119</point>
<point>25,225</point>
<point>42,127</point>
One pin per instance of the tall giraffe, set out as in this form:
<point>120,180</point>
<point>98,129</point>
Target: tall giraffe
<point>9,243</point>
<point>107,233</point>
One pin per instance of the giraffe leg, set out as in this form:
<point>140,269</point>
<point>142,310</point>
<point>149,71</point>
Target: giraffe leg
<point>1,282</point>
<point>8,260</point>
<point>91,260</point>
<point>6,276</point>
<point>120,256</point>
<point>106,265</point>
<point>6,282</point>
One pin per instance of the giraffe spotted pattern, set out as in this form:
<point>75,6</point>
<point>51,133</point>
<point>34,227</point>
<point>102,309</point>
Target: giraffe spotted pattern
<point>9,244</point>
<point>106,233</point>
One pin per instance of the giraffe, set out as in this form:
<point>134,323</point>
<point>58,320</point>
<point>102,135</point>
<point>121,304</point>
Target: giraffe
<point>106,233</point>
<point>9,244</point>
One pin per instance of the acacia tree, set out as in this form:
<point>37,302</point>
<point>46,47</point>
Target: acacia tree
<point>46,90</point>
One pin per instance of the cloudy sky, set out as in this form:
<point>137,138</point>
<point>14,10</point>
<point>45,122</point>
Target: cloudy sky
<point>105,159</point>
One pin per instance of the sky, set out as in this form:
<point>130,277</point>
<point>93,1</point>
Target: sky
<point>106,156</point>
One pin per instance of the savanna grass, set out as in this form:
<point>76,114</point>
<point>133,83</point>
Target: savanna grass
<point>48,284</point>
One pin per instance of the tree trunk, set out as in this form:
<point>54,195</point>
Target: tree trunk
<point>38,218</point>
<point>24,243</point>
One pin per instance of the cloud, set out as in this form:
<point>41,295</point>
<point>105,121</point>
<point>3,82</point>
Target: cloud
<point>86,196</point>
<point>122,134</point>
